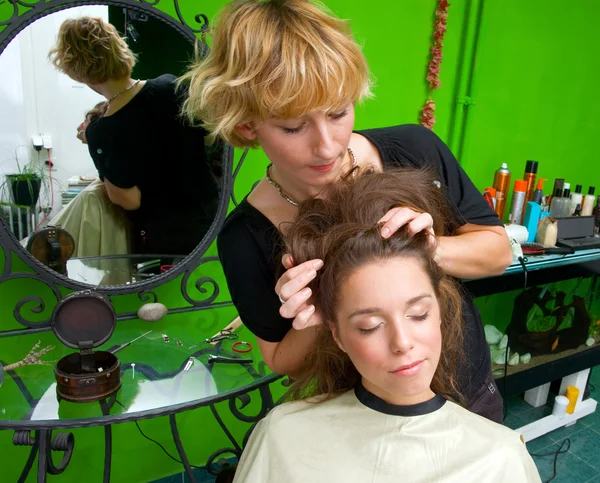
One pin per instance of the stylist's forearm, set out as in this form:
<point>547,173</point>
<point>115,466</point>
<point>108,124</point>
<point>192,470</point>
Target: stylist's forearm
<point>290,354</point>
<point>473,255</point>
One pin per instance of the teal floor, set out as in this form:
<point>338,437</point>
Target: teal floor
<point>580,464</point>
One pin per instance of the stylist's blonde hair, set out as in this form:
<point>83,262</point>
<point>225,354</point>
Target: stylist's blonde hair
<point>282,58</point>
<point>91,51</point>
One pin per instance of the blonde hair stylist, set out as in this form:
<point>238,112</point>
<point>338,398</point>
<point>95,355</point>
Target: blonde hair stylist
<point>285,76</point>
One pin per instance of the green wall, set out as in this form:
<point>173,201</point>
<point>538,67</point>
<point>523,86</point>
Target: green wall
<point>529,67</point>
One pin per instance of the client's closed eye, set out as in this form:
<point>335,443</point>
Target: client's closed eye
<point>370,330</point>
<point>419,317</point>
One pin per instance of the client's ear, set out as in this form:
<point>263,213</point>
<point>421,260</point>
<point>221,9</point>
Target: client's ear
<point>246,131</point>
<point>334,332</point>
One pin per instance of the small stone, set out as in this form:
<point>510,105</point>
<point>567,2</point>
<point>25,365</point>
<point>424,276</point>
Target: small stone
<point>590,342</point>
<point>499,356</point>
<point>525,358</point>
<point>152,312</point>
<point>513,360</point>
<point>492,334</point>
<point>503,342</point>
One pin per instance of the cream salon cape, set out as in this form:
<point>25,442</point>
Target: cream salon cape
<point>358,437</point>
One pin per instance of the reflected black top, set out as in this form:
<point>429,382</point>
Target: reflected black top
<point>148,144</point>
<point>377,404</point>
<point>250,246</point>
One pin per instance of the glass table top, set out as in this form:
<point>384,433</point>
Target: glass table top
<point>119,269</point>
<point>158,384</point>
<point>536,262</point>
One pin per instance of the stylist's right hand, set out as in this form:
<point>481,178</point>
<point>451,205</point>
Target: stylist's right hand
<point>292,290</point>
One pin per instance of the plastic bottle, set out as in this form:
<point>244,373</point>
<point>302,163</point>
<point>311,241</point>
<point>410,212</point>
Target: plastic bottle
<point>576,199</point>
<point>556,204</point>
<point>572,394</point>
<point>530,173</point>
<point>538,194</point>
<point>518,200</point>
<point>588,202</point>
<point>502,185</point>
<point>558,183</point>
<point>565,207</point>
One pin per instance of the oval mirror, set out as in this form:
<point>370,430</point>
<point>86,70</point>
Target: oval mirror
<point>102,182</point>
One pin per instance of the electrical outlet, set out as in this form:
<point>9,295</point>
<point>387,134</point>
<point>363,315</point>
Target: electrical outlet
<point>37,142</point>
<point>47,140</point>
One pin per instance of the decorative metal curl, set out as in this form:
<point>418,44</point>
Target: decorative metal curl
<point>199,285</point>
<point>23,438</point>
<point>218,457</point>
<point>148,296</point>
<point>197,18</point>
<point>62,442</point>
<point>41,306</point>
<point>45,445</point>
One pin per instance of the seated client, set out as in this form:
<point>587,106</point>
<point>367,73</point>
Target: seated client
<point>378,398</point>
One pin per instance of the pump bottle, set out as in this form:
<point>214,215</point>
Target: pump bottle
<point>576,199</point>
<point>588,202</point>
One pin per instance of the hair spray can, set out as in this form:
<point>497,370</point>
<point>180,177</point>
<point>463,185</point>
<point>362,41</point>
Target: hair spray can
<point>518,199</point>
<point>530,174</point>
<point>501,184</point>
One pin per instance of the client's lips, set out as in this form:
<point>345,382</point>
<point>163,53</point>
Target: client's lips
<point>409,369</point>
<point>324,167</point>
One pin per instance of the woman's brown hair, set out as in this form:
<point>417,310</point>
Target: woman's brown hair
<point>342,230</point>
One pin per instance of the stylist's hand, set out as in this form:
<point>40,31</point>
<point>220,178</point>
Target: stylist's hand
<point>292,290</point>
<point>401,216</point>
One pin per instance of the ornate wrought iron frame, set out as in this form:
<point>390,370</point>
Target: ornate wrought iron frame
<point>25,13</point>
<point>43,444</point>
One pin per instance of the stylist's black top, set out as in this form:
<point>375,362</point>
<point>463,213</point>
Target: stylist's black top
<point>148,144</point>
<point>250,247</point>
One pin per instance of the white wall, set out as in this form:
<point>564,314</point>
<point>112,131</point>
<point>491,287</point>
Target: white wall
<point>35,98</point>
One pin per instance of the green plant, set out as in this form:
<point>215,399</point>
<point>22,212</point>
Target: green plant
<point>22,188</point>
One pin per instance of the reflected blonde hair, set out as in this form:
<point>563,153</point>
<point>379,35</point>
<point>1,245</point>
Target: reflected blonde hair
<point>282,58</point>
<point>91,51</point>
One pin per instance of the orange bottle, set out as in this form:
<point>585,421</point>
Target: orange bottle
<point>530,173</point>
<point>571,393</point>
<point>501,185</point>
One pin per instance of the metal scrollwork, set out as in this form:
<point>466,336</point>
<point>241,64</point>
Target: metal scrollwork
<point>43,444</point>
<point>15,18</point>
<point>236,171</point>
<point>200,285</point>
<point>41,306</point>
<point>148,296</point>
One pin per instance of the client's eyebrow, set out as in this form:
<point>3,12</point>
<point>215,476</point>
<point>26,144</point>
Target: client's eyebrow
<point>414,300</point>
<point>374,310</point>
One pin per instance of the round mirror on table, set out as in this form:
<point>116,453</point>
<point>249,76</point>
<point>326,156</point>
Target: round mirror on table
<point>102,182</point>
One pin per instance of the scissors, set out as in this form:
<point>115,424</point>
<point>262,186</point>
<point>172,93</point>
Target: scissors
<point>222,335</point>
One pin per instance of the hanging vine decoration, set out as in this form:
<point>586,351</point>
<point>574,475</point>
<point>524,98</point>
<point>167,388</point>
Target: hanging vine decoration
<point>427,118</point>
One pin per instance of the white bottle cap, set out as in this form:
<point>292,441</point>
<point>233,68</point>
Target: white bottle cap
<point>567,186</point>
<point>504,166</point>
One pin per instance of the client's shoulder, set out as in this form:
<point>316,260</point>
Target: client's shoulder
<point>481,427</point>
<point>315,408</point>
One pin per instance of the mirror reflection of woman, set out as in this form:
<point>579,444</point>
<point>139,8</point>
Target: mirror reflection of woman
<point>153,164</point>
<point>285,75</point>
<point>378,398</point>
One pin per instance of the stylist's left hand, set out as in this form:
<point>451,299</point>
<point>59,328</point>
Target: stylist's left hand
<point>401,216</point>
